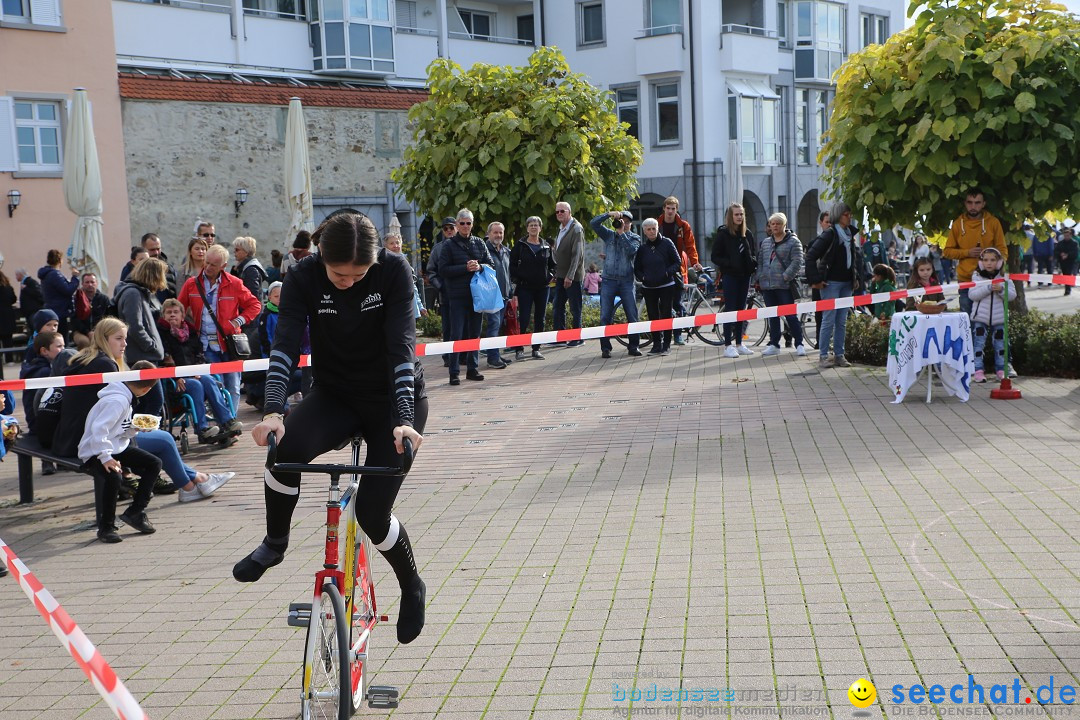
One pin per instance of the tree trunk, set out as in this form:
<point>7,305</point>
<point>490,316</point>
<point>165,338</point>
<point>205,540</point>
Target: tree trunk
<point>1017,303</point>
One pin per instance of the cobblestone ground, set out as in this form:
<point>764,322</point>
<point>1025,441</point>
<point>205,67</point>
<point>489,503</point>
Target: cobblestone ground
<point>587,527</point>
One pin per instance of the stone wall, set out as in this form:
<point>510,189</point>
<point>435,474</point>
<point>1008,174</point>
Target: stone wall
<point>185,161</point>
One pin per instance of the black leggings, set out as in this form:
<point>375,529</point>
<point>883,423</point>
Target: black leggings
<point>658,302</point>
<point>321,423</point>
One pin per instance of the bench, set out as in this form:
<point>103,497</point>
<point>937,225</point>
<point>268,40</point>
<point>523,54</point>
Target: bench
<point>27,448</point>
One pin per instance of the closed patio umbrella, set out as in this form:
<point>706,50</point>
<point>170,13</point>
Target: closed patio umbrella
<point>297,173</point>
<point>82,192</point>
<point>733,178</point>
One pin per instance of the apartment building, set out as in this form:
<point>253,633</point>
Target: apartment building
<point>47,49</point>
<point>721,94</point>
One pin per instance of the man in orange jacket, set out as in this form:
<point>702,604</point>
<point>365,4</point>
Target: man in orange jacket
<point>673,227</point>
<point>971,233</point>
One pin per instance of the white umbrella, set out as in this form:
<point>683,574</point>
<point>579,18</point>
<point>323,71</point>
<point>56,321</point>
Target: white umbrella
<point>82,191</point>
<point>297,173</point>
<point>733,178</point>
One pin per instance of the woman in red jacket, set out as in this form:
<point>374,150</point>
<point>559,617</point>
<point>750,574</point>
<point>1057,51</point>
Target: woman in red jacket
<point>230,301</point>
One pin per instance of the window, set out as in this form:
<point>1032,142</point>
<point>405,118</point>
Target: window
<point>754,120</point>
<point>626,107</point>
<point>819,40</point>
<point>362,40</point>
<point>811,121</point>
<point>36,12</point>
<point>285,9</point>
<point>781,22</point>
<point>477,24</point>
<point>37,135</point>
<point>526,29</point>
<point>662,17</point>
<point>405,10</point>
<point>667,114</point>
<point>590,23</point>
<point>873,30</point>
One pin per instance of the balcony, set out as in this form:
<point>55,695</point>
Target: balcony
<point>659,50</point>
<point>467,50</point>
<point>749,49</point>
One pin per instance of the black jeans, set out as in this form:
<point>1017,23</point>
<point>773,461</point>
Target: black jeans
<point>658,303</point>
<point>562,294</point>
<point>782,297</point>
<point>536,301</point>
<point>107,484</point>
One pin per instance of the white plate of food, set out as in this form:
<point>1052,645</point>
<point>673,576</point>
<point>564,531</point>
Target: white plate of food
<point>145,423</point>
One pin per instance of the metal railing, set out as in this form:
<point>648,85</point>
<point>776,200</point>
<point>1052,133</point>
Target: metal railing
<point>190,5</point>
<point>661,30</point>
<point>276,14</point>
<point>489,38</point>
<point>747,30</point>
<point>406,30</point>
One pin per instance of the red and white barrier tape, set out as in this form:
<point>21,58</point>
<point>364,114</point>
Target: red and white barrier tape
<point>108,685</point>
<point>540,338</point>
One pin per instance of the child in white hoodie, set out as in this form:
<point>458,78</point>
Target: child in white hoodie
<point>988,313</point>
<point>106,446</point>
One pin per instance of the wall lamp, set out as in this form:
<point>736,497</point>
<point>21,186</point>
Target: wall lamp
<point>14,198</point>
<point>241,198</point>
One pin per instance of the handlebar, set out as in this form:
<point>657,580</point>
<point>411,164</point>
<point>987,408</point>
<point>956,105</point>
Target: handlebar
<point>337,469</point>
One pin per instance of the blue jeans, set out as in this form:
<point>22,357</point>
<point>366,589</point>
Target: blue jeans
<point>230,380</point>
<point>609,290</point>
<point>980,332</point>
<point>492,324</point>
<point>204,389</point>
<point>736,288</point>
<point>464,325</point>
<point>531,304</point>
<point>562,294</point>
<point>834,322</point>
<point>965,302</point>
<point>782,297</point>
<point>161,445</point>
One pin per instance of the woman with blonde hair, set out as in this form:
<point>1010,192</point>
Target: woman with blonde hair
<point>780,262</point>
<point>193,262</point>
<point>733,255</point>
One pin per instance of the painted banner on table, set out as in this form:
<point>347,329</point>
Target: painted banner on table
<point>917,340</point>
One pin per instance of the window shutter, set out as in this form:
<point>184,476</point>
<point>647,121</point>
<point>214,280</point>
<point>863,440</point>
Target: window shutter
<point>406,13</point>
<point>9,158</point>
<point>45,12</point>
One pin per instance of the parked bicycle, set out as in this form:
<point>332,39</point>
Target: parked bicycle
<point>337,652</point>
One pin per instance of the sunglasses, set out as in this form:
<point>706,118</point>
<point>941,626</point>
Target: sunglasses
<point>464,222</point>
<point>213,235</point>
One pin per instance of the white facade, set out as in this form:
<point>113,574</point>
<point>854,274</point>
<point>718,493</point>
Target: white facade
<point>691,75</point>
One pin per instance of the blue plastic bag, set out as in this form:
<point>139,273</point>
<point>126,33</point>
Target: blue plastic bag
<point>486,295</point>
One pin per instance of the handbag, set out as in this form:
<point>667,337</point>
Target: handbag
<point>237,345</point>
<point>513,327</point>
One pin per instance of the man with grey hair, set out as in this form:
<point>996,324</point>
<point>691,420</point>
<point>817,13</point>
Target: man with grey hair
<point>462,256</point>
<point>621,244</point>
<point>500,254</point>
<point>569,253</point>
<point>835,276</point>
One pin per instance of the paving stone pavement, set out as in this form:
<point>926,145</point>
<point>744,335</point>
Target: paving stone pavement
<point>586,527</point>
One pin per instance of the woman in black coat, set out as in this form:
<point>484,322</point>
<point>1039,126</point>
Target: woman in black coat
<point>7,314</point>
<point>656,265</point>
<point>532,266</point>
<point>733,256</point>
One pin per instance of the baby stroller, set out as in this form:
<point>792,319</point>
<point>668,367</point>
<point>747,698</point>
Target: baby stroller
<point>179,411</point>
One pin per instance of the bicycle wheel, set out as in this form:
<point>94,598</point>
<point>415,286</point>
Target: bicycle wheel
<point>809,329</point>
<point>713,334</point>
<point>755,331</point>
<point>363,619</point>
<point>619,317</point>
<point>326,660</point>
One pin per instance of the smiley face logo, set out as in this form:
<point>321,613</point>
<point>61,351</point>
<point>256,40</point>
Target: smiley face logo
<point>862,693</point>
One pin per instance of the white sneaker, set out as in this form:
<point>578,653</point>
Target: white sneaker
<point>770,350</point>
<point>731,352</point>
<point>800,351</point>
<point>216,480</point>
<point>186,496</point>
<point>743,350</point>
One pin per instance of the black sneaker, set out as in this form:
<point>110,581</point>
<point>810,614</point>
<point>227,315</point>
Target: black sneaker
<point>605,354</point>
<point>633,352</point>
<point>537,355</point>
<point>47,467</point>
<point>164,486</point>
<point>109,535</point>
<point>498,365</point>
<point>233,428</point>
<point>575,343</point>
<point>139,521</point>
<point>210,434</point>
<point>474,375</point>
<point>455,380</point>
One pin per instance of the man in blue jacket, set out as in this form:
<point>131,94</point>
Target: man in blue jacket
<point>621,244</point>
<point>462,256</point>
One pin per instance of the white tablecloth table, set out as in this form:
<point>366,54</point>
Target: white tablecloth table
<point>917,340</point>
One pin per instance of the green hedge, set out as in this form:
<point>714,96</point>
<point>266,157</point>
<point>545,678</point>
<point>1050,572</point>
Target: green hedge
<point>1041,345</point>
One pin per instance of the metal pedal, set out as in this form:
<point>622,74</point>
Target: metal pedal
<point>299,614</point>
<point>382,696</point>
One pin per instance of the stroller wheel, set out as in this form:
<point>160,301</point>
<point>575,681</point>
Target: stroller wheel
<point>184,444</point>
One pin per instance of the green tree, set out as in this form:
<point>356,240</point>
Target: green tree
<point>976,93</point>
<point>509,142</point>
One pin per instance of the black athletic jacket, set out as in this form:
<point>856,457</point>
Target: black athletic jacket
<point>363,340</point>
